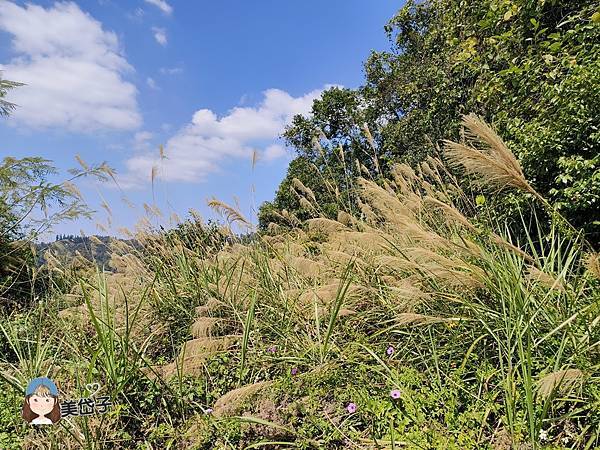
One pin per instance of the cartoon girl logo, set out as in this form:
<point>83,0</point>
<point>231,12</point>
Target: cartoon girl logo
<point>41,406</point>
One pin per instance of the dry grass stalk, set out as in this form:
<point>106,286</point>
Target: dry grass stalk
<point>317,145</point>
<point>562,379</point>
<point>400,217</point>
<point>407,292</point>
<point>339,258</point>
<point>297,184</point>
<point>231,214</point>
<point>464,276</point>
<point>536,275</point>
<point>424,263</point>
<point>365,171</point>
<point>233,400</point>
<point>189,366</point>
<point>321,224</point>
<point>450,213</point>
<point>493,164</point>
<point>306,204</point>
<point>367,212</point>
<point>72,189</point>
<point>323,311</point>
<point>341,153</point>
<point>369,136</point>
<point>428,171</point>
<point>350,241</point>
<point>273,228</point>
<point>345,219</point>
<point>326,294</point>
<point>345,312</point>
<point>290,248</point>
<point>96,241</point>
<point>371,142</point>
<point>592,264</point>
<point>254,158</point>
<point>404,177</point>
<point>204,326</point>
<point>380,199</point>
<point>203,347</point>
<point>290,217</point>
<point>213,304</point>
<point>102,227</point>
<point>292,293</point>
<point>504,243</point>
<point>153,175</point>
<point>201,311</point>
<point>81,162</point>
<point>77,314</point>
<point>306,267</point>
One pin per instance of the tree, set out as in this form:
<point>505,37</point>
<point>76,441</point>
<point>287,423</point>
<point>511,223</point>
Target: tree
<point>30,204</point>
<point>531,68</point>
<point>5,85</point>
<point>331,147</point>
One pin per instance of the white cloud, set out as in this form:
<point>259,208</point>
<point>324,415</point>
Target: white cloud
<point>160,34</point>
<point>73,70</point>
<point>152,84</point>
<point>274,151</point>
<point>246,123</point>
<point>162,5</point>
<point>200,147</point>
<point>171,70</point>
<point>243,100</point>
<point>136,15</point>
<point>141,140</point>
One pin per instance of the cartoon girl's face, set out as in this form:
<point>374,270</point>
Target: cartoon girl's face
<point>41,405</point>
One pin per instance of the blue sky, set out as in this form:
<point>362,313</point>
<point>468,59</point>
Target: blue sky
<point>211,81</point>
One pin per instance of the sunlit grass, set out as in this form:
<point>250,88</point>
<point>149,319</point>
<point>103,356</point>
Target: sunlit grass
<point>493,339</point>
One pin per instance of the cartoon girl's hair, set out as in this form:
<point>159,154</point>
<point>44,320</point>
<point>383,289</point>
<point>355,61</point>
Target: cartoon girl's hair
<point>41,391</point>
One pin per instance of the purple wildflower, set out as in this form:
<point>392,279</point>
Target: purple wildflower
<point>272,349</point>
<point>351,408</point>
<point>294,371</point>
<point>395,393</point>
<point>390,350</point>
<point>208,410</point>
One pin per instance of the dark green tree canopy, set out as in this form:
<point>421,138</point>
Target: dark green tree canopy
<point>530,68</point>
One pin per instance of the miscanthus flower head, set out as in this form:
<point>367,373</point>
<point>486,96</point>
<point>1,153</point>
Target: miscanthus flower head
<point>395,393</point>
<point>351,408</point>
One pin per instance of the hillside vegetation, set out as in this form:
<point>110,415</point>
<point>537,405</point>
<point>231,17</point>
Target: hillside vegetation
<point>426,277</point>
<point>409,325</point>
<point>530,68</point>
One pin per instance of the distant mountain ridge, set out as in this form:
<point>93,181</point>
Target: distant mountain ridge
<point>94,248</point>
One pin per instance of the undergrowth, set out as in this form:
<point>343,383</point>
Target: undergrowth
<point>415,320</point>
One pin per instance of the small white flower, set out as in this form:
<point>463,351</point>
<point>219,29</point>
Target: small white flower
<point>543,435</point>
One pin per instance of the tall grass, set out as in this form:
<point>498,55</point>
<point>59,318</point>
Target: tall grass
<point>493,339</point>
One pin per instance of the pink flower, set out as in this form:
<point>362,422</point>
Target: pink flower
<point>351,408</point>
<point>272,349</point>
<point>208,410</point>
<point>390,350</point>
<point>395,393</point>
